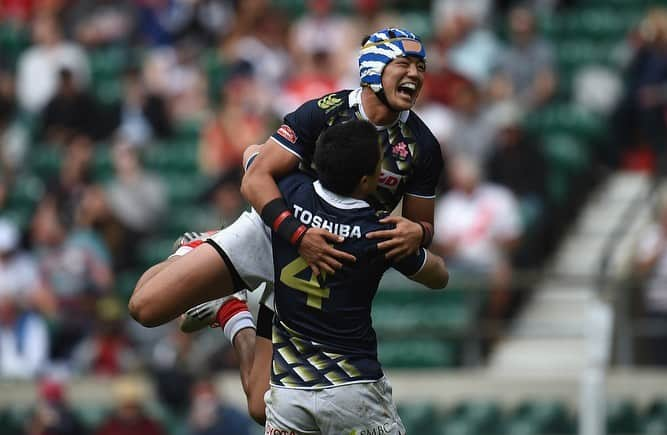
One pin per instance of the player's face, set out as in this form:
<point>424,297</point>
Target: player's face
<point>402,80</point>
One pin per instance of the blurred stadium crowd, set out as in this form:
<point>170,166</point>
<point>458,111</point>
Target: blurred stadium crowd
<point>122,124</point>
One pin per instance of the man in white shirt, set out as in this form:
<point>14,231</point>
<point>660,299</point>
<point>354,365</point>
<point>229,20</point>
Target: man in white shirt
<point>477,225</point>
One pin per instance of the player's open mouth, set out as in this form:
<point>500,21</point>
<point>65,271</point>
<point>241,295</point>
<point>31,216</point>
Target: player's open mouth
<point>407,89</point>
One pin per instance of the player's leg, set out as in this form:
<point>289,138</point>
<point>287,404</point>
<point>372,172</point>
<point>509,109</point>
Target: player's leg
<point>258,383</point>
<point>358,408</point>
<point>186,281</point>
<point>291,411</point>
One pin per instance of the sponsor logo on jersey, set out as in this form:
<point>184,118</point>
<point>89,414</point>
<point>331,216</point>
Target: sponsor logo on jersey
<point>287,132</point>
<point>329,102</point>
<point>400,151</point>
<point>307,217</point>
<point>389,180</point>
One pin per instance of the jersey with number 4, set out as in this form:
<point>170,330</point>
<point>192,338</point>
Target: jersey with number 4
<point>322,331</point>
<point>412,158</point>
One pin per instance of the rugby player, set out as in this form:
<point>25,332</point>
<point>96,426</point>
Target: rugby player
<point>392,63</point>
<point>325,376</point>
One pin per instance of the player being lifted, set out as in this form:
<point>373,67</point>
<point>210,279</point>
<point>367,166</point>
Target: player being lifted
<point>325,375</point>
<point>392,63</point>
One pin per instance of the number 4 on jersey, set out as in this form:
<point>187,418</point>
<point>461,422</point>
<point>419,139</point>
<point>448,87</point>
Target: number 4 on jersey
<point>315,291</point>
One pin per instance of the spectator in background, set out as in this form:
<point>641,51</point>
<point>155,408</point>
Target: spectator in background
<point>525,71</point>
<point>107,350</point>
<point>651,265</point>
<point>209,415</point>
<point>461,42</point>
<point>19,275</point>
<point>315,77</point>
<point>174,74</point>
<point>70,112</point>
<point>74,175</point>
<point>136,197</point>
<point>265,48</point>
<point>24,339</point>
<point>310,35</point>
<point>516,161</point>
<point>100,22</point>
<point>75,267</point>
<point>142,115</point>
<point>477,226</point>
<point>473,128</point>
<point>225,196</point>
<point>129,416</point>
<point>14,137</point>
<point>639,117</point>
<point>53,414</point>
<point>38,67</point>
<point>238,123</point>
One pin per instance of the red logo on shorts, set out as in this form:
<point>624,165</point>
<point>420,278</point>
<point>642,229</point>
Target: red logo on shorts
<point>270,430</point>
<point>287,132</point>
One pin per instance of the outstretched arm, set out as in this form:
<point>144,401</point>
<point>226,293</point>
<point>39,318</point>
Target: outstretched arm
<point>434,273</point>
<point>259,188</point>
<point>412,230</point>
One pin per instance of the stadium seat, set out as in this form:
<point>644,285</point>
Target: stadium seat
<point>408,311</point>
<point>566,118</point>
<point>25,192</point>
<point>153,251</point>
<point>172,157</point>
<point>622,417</point>
<point>184,189</point>
<point>418,353</point>
<point>45,161</point>
<point>187,217</point>
<point>418,418</point>
<point>485,415</point>
<point>547,416</point>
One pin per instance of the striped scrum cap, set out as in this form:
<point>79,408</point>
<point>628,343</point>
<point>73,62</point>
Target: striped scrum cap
<point>381,48</point>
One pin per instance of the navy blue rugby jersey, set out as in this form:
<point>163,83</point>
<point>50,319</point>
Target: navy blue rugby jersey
<point>322,331</point>
<point>412,160</point>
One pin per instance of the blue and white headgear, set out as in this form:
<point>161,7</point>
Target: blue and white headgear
<point>381,48</point>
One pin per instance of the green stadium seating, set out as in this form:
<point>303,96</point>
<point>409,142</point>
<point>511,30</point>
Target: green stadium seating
<point>25,193</point>
<point>444,312</point>
<point>45,161</point>
<point>153,251</point>
<point>622,417</point>
<point>418,353</point>
<point>484,415</point>
<point>172,157</point>
<point>545,416</point>
<point>566,118</point>
<point>418,418</point>
<point>189,218</point>
<point>13,40</point>
<point>184,189</point>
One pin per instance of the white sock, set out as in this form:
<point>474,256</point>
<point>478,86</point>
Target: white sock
<point>238,321</point>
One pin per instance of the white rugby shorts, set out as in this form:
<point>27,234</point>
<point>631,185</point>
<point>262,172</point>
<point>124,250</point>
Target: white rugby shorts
<point>247,244</point>
<point>365,408</point>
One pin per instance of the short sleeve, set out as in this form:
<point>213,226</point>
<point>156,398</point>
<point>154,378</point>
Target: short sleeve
<point>429,166</point>
<point>300,129</point>
<point>411,264</point>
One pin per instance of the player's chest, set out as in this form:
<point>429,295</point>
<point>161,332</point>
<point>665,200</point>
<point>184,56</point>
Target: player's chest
<point>400,154</point>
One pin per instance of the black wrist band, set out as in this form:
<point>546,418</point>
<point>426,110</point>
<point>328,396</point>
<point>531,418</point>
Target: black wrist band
<point>277,216</point>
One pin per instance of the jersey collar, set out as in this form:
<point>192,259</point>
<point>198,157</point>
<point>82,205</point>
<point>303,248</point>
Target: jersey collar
<point>338,201</point>
<point>355,100</point>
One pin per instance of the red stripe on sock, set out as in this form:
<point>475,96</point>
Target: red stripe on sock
<point>229,309</point>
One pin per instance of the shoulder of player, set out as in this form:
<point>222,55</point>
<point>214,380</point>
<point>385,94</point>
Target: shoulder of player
<point>331,102</point>
<point>421,131</point>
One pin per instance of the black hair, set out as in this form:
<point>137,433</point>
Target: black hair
<point>344,153</point>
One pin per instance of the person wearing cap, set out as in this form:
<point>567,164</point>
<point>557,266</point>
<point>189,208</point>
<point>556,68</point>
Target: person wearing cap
<point>392,64</point>
<point>129,416</point>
